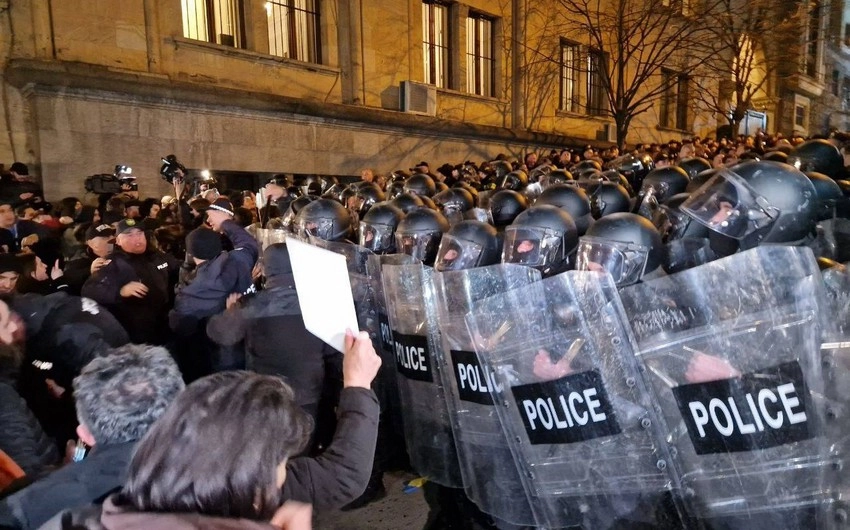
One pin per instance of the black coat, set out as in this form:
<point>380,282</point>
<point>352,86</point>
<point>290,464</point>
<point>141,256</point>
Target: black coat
<point>21,436</point>
<point>276,341</point>
<point>103,471</point>
<point>145,319</point>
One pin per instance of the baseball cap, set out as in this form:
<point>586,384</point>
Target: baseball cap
<point>101,230</point>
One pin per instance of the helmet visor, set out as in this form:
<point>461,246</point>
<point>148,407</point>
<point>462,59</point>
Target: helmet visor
<point>625,262</point>
<point>533,247</point>
<point>804,163</point>
<point>730,206</point>
<point>318,228</point>
<point>650,197</point>
<point>671,224</point>
<point>377,238</point>
<point>455,254</point>
<point>420,245</point>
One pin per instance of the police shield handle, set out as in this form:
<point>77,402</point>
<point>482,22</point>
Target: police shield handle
<point>360,363</point>
<point>546,369</point>
<point>703,368</point>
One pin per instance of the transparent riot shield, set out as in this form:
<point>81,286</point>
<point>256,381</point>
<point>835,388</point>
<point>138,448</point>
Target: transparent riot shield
<point>374,271</point>
<point>409,293</point>
<point>490,476</point>
<point>731,352</point>
<point>572,404</point>
<point>835,358</point>
<point>266,237</point>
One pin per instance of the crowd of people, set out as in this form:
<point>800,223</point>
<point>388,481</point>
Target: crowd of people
<point>155,371</point>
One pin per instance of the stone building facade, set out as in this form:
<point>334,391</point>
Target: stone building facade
<point>298,86</point>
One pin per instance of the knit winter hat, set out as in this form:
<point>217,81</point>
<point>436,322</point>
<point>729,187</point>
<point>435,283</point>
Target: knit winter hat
<point>49,251</point>
<point>222,205</point>
<point>203,243</point>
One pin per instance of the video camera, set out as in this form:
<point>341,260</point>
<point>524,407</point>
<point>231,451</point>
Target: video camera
<point>169,168</point>
<point>105,184</point>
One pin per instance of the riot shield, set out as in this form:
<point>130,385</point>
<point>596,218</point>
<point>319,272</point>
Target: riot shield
<point>490,477</point>
<point>409,293</point>
<point>572,404</point>
<point>835,358</point>
<point>730,351</point>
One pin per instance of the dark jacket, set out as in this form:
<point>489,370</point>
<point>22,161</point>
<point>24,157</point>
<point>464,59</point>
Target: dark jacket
<point>145,319</point>
<point>21,436</point>
<point>214,280</point>
<point>276,341</point>
<point>103,471</point>
<point>77,271</point>
<point>329,481</point>
<point>11,238</point>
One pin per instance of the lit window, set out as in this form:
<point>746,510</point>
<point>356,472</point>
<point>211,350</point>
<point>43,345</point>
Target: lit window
<point>216,21</point>
<point>435,43</point>
<point>480,57</point>
<point>570,65</point>
<point>294,29</point>
<point>596,95</point>
<point>800,116</point>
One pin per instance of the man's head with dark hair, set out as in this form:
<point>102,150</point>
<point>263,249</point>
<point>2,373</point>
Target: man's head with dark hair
<point>19,169</point>
<point>119,396</point>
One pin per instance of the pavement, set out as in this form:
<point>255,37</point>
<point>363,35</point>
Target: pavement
<point>397,511</point>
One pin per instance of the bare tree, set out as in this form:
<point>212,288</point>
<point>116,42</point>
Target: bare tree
<point>746,44</point>
<point>637,40</point>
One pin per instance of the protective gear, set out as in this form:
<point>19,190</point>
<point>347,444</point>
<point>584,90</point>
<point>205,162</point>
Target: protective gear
<point>550,346</point>
<point>688,243</point>
<point>634,167</point>
<point>572,200</point>
<point>420,184</point>
<point>588,174</point>
<point>453,202</point>
<point>694,166</point>
<point>515,180</point>
<point>466,245</point>
<point>395,189</point>
<point>828,194</point>
<point>659,185</point>
<point>323,219</point>
<point>625,245</point>
<point>701,178</point>
<point>818,155</point>
<point>716,341</point>
<point>419,234</point>
<point>584,165</point>
<point>554,177</point>
<point>471,189</point>
<point>368,194</point>
<point>505,205</point>
<point>345,198</point>
<point>612,175</point>
<point>428,202</point>
<point>288,221</point>
<point>607,198</point>
<point>500,169</point>
<point>407,202</point>
<point>776,156</point>
<point>441,186</point>
<point>378,226</point>
<point>490,476</point>
<point>756,202</point>
<point>543,237</point>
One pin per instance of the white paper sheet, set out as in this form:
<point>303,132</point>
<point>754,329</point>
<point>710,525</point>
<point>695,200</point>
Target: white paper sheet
<point>324,292</point>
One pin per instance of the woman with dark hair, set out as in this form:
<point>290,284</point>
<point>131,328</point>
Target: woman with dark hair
<point>224,456</point>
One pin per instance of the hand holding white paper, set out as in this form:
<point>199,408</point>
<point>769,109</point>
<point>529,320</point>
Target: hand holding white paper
<point>324,292</point>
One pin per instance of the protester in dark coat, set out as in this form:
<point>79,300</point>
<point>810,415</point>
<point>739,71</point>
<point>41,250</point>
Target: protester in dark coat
<point>99,241</point>
<point>276,341</point>
<point>119,397</point>
<point>136,285</point>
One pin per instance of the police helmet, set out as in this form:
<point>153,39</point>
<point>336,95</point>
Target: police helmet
<point>466,245</point>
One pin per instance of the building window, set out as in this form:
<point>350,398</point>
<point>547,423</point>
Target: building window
<point>294,29</point>
<point>674,101</point>
<point>570,67</point>
<point>812,35</point>
<point>847,34</point>
<point>800,116</point>
<point>480,55</point>
<point>845,93</point>
<point>435,43</point>
<point>216,21</point>
<point>596,95</point>
<point>834,83</point>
